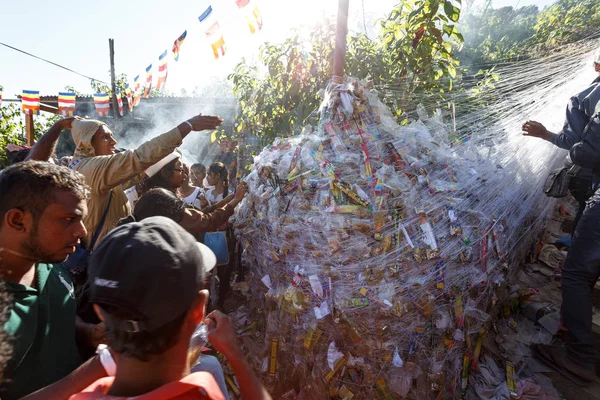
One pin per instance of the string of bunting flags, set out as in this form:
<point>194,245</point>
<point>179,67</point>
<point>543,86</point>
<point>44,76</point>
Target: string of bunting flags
<point>215,38</point>
<point>30,99</point>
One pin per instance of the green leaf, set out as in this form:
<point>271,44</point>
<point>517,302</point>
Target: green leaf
<point>451,11</point>
<point>452,71</point>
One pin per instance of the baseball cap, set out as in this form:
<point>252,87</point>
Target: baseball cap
<point>597,57</point>
<point>151,270</point>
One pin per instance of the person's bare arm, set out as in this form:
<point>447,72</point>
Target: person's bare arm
<point>222,203</point>
<point>200,221</point>
<point>88,373</point>
<point>221,334</point>
<point>42,150</point>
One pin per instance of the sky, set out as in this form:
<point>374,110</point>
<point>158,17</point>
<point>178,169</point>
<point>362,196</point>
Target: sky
<point>75,34</point>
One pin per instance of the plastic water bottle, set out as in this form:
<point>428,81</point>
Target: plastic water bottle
<point>199,337</point>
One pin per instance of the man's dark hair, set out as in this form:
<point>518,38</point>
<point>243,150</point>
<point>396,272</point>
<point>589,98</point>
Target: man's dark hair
<point>159,202</point>
<point>199,166</point>
<point>141,345</point>
<point>30,186</point>
<point>17,156</point>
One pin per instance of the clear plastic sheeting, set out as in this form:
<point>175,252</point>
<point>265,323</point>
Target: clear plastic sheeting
<point>394,242</point>
<point>398,243</point>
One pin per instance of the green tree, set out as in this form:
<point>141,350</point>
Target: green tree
<point>12,127</point>
<point>413,53</point>
<point>418,36</point>
<point>566,21</point>
<point>494,35</point>
<point>280,100</point>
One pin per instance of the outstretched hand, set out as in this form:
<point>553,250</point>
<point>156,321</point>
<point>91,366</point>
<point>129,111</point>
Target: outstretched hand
<point>205,122</point>
<point>534,129</point>
<point>240,191</point>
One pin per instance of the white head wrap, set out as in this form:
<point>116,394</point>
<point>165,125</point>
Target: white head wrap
<point>83,131</point>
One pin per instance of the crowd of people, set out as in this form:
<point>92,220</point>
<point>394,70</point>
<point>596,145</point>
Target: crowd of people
<point>577,355</point>
<point>105,293</point>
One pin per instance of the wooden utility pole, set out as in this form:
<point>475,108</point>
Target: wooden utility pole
<point>29,130</point>
<point>29,127</point>
<point>113,84</point>
<point>339,55</point>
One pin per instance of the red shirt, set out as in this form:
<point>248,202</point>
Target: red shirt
<point>196,386</point>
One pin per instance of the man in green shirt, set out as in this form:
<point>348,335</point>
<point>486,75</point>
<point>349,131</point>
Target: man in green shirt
<point>42,206</point>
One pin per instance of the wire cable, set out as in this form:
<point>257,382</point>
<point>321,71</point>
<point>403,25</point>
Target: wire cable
<point>53,63</point>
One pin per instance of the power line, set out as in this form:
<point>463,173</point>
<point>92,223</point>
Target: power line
<point>53,63</point>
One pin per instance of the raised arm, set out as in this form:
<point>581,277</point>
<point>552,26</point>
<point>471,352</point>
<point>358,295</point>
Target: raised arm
<point>106,172</point>
<point>195,221</point>
<point>221,334</point>
<point>222,203</point>
<point>42,150</point>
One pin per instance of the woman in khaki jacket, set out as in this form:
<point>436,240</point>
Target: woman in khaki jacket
<point>106,171</point>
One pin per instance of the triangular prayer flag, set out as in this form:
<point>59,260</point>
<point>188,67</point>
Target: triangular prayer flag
<point>177,45</point>
<point>148,85</point>
<point>102,102</point>
<point>1,89</point>
<point>119,102</point>
<point>66,104</point>
<point>162,70</point>
<point>30,102</point>
<point>213,32</point>
<point>252,15</point>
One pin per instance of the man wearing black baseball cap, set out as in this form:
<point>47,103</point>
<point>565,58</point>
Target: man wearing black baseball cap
<point>146,281</point>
